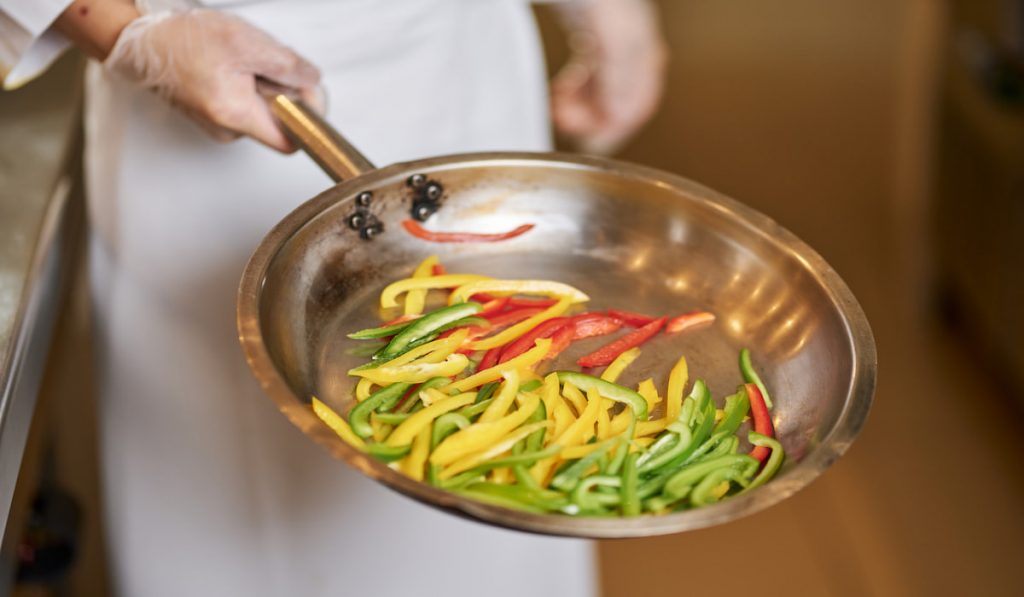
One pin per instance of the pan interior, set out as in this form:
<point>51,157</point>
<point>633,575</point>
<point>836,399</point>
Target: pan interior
<point>630,240</point>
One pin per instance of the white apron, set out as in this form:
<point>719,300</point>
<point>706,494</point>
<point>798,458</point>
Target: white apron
<point>208,490</point>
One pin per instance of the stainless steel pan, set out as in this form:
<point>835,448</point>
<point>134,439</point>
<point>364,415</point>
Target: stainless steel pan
<point>629,236</point>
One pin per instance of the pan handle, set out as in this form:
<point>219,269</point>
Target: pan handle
<point>335,155</point>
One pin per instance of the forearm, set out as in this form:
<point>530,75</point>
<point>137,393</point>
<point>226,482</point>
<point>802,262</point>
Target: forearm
<point>94,25</point>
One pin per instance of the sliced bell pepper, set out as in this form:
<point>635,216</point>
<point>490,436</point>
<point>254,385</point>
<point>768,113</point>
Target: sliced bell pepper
<point>414,228</point>
<point>630,481</point>
<point>619,365</point>
<point>430,352</point>
<point>568,477</point>
<point>608,390</point>
<point>415,372</point>
<point>606,354</point>
<point>560,341</point>
<point>762,420</point>
<point>388,329</point>
<point>527,359</point>
<point>493,448</point>
<point>525,342</point>
<point>677,379</point>
<point>535,287</point>
<point>688,320</point>
<point>406,403</point>
<point>490,358</point>
<point>774,460</point>
<point>439,270</point>
<point>507,318</point>
<point>502,402</point>
<point>736,408</point>
<point>592,501</point>
<point>631,319</point>
<point>705,492</point>
<point>415,299</point>
<point>511,333</point>
<point>434,322</point>
<point>337,424</point>
<point>413,464</point>
<point>493,306</point>
<point>389,296</point>
<point>751,376</point>
<point>595,323</point>
<point>383,399</point>
<point>404,433</point>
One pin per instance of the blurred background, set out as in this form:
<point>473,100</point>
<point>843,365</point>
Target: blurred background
<point>889,135</point>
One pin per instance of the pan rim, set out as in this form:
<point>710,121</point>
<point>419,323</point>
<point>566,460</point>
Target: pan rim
<point>847,426</point>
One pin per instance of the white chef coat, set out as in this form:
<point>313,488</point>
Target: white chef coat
<point>208,490</point>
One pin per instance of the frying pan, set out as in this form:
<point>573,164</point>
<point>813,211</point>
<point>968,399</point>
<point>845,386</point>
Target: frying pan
<point>631,237</point>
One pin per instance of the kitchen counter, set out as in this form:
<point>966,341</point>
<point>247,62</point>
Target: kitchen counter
<point>40,217</point>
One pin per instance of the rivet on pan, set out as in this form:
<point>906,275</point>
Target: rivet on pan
<point>416,181</point>
<point>433,191</point>
<point>356,221</point>
<point>371,231</point>
<point>363,199</point>
<point>421,211</point>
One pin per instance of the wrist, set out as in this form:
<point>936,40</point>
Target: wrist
<point>94,25</point>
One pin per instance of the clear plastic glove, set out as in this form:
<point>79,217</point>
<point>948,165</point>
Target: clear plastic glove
<point>613,82</point>
<point>207,63</point>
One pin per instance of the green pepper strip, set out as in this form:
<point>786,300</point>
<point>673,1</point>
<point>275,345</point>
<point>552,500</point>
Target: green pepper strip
<point>443,426</point>
<point>701,397</point>
<point>771,466</point>
<point>427,325</point>
<point>531,385</point>
<point>366,350</point>
<point>678,485</point>
<point>702,494</point>
<point>683,445</point>
<point>383,399</point>
<point>718,444</point>
<point>751,376</point>
<point>736,407</point>
<point>590,500</point>
<point>414,400</point>
<point>393,418</point>
<point>700,435</point>
<point>512,496</point>
<point>606,389</point>
<point>533,443</point>
<point>630,480</point>
<point>388,453</point>
<point>486,391</point>
<point>473,410</point>
<point>524,459</point>
<point>622,448</point>
<point>568,477</point>
<point>380,332</point>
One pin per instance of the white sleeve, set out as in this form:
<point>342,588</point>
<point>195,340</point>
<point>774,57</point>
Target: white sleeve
<point>28,45</point>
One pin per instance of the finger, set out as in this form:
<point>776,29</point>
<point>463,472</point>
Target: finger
<point>282,65</point>
<point>316,98</point>
<point>258,122</point>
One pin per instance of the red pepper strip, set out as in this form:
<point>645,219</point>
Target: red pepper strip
<point>509,317</point>
<point>474,332</point>
<point>408,394</point>
<point>483,297</point>
<point>688,320</point>
<point>594,324</point>
<point>606,354</point>
<point>490,358</point>
<point>525,342</point>
<point>439,270</point>
<point>401,319</point>
<point>413,227</point>
<point>762,420</point>
<point>528,302</point>
<point>493,306</point>
<point>631,319</point>
<point>561,340</point>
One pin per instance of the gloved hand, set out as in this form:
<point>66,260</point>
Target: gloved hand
<point>206,62</point>
<point>613,82</point>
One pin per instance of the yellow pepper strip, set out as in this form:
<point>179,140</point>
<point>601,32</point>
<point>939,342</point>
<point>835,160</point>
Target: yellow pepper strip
<point>388,297</point>
<point>592,396</point>
<point>649,391</point>
<point>619,365</point>
<point>421,419</point>
<point>719,415</point>
<point>416,299</point>
<point>575,397</point>
<point>555,408</point>
<point>563,418</point>
<point>412,465</point>
<point>415,372</point>
<point>500,447</point>
<point>640,443</point>
<point>380,430</point>
<point>431,352</point>
<point>676,383</point>
<point>511,333</point>
<point>508,287</point>
<point>604,421</point>
<point>527,359</point>
<point>479,435</point>
<point>501,403</point>
<point>363,389</point>
<point>337,424</point>
<point>576,434</point>
<point>619,423</point>
<point>644,428</point>
<point>502,476</point>
<point>574,452</point>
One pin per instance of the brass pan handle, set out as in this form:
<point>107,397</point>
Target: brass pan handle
<point>311,133</point>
